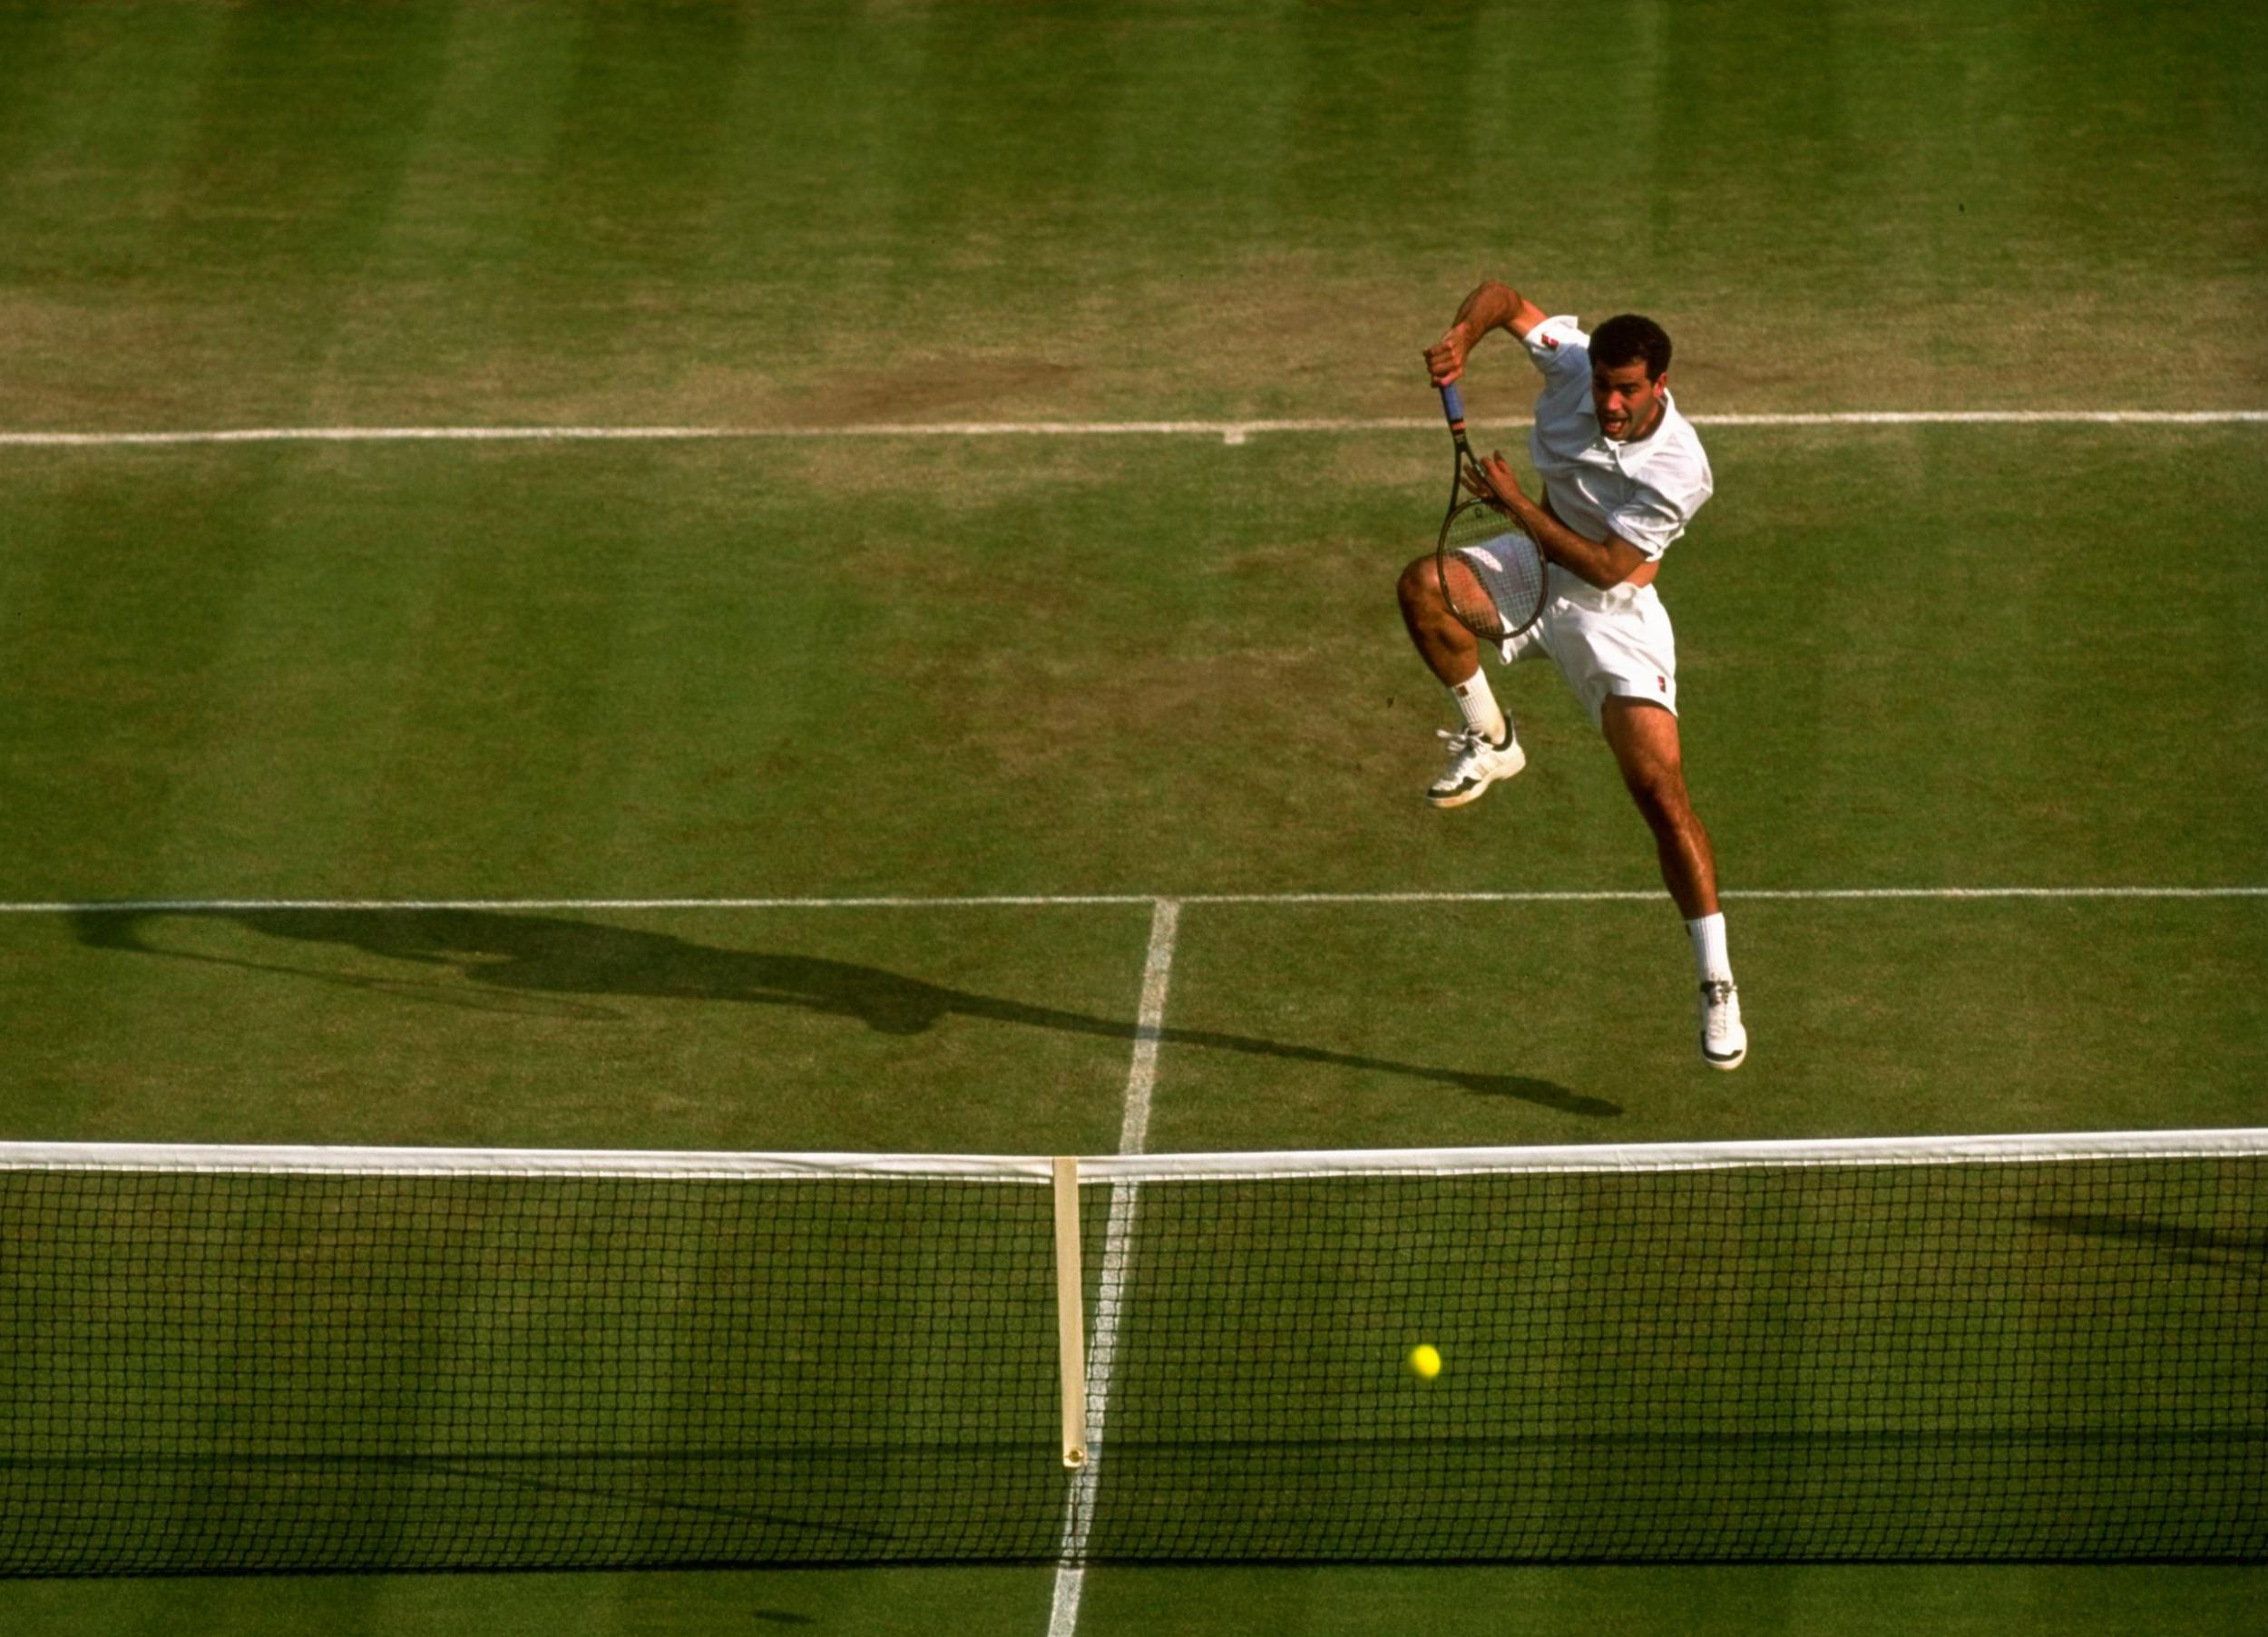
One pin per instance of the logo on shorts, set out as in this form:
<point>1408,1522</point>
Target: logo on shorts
<point>1661,683</point>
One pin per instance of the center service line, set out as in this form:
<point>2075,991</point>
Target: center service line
<point>1141,1079</point>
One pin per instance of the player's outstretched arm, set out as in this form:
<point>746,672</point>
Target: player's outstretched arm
<point>1492,306</point>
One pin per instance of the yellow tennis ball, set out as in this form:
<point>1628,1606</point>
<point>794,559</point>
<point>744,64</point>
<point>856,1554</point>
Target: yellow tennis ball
<point>1424,1362</point>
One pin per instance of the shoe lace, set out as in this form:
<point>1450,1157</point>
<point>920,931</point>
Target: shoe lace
<point>1464,744</point>
<point>1718,991</point>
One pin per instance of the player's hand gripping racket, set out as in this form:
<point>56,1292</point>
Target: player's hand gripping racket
<point>1492,575</point>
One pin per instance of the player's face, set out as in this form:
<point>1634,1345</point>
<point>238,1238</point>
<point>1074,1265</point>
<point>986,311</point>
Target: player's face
<point>1627,402</point>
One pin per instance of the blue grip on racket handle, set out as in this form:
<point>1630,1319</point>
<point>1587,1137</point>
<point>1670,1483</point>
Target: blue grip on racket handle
<point>1452,404</point>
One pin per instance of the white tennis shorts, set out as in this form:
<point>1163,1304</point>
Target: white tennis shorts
<point>1616,641</point>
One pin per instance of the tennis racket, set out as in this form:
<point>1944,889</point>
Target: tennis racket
<point>1492,575</point>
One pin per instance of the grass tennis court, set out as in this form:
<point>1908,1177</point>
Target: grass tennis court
<point>943,665</point>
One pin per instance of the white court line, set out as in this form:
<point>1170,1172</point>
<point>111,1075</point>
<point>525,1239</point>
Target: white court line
<point>223,906</point>
<point>1230,432</point>
<point>1141,1078</point>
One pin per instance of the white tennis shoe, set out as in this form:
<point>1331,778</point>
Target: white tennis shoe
<point>1474,764</point>
<point>1724,1041</point>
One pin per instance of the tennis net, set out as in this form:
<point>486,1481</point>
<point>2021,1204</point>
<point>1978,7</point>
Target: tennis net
<point>281,1360</point>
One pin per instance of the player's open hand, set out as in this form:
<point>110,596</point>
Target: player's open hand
<point>1445,359</point>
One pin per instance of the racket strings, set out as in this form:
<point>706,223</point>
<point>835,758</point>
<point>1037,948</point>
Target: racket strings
<point>1503,589</point>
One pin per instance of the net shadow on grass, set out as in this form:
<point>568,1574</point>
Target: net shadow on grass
<point>497,961</point>
<point>2203,1245</point>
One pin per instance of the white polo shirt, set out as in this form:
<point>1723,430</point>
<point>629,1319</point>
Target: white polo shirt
<point>1644,490</point>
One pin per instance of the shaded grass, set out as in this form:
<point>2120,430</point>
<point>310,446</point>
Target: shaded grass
<point>981,1032</point>
<point>1979,1601</point>
<point>1942,658</point>
<point>886,1601</point>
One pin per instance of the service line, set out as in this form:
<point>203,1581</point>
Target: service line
<point>1057,900</point>
<point>1228,431</point>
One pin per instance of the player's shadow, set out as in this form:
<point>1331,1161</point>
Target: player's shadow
<point>545,963</point>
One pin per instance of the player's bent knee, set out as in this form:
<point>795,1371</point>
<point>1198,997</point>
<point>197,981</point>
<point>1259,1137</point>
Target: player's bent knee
<point>1420,586</point>
<point>1424,608</point>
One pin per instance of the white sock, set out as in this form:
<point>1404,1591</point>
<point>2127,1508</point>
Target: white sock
<point>1477,706</point>
<point>1709,949</point>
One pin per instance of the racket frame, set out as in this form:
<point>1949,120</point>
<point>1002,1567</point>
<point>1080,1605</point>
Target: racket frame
<point>1499,629</point>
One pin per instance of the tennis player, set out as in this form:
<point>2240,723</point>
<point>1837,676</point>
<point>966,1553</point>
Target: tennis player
<point>1622,474</point>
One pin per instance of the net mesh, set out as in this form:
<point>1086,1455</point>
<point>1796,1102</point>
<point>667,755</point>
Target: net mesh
<point>248,1372</point>
<point>1919,1363</point>
<point>2022,1357</point>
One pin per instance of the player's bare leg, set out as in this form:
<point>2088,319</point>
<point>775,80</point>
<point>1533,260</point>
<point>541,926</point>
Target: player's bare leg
<point>1450,652</point>
<point>1487,750</point>
<point>1644,739</point>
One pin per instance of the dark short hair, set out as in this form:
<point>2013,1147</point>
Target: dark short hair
<point>1626,338</point>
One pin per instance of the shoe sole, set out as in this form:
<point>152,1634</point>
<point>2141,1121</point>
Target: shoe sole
<point>1734,1061</point>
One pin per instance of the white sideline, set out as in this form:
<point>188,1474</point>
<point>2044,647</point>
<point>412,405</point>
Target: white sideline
<point>1229,431</point>
<point>223,906</point>
<point>1141,1078</point>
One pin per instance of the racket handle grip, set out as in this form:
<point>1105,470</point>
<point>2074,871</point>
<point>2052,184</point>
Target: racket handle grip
<point>1453,406</point>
